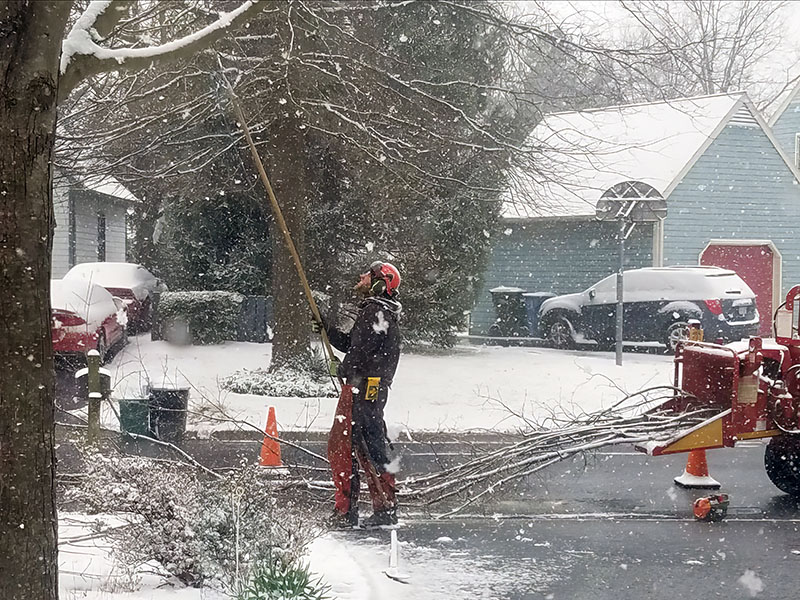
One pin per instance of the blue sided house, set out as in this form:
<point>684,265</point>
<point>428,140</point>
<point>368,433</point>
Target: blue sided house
<point>731,191</point>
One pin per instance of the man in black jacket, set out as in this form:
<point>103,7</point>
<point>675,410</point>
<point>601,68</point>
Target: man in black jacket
<point>372,350</point>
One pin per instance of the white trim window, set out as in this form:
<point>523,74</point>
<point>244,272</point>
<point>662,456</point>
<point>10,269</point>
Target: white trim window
<point>797,150</point>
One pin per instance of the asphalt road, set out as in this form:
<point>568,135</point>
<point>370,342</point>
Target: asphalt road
<point>615,528</point>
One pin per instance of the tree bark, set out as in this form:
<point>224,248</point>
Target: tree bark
<point>292,314</point>
<point>31,35</point>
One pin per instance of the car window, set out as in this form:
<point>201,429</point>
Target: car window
<point>605,286</point>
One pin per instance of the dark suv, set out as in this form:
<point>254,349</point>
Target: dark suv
<point>659,302</point>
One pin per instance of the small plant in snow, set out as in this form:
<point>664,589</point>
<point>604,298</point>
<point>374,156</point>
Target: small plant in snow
<point>303,379</point>
<point>278,579</point>
<point>199,530</point>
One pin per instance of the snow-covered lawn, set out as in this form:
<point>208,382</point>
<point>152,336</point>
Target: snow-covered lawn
<point>467,388</point>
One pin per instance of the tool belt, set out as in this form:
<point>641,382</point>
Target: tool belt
<point>370,385</point>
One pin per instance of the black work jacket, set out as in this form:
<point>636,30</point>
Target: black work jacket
<point>373,344</point>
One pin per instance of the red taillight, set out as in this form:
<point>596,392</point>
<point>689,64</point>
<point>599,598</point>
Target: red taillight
<point>715,306</point>
<point>68,319</point>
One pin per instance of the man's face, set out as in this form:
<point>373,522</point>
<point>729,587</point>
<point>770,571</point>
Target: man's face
<point>362,288</point>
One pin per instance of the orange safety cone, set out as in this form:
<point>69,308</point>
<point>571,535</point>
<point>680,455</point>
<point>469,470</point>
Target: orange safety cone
<point>696,476</point>
<point>270,447</point>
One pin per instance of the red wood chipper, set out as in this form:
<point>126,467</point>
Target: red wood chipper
<point>753,389</point>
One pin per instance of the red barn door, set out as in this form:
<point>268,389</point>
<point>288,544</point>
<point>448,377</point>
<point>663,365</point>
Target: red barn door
<point>758,263</point>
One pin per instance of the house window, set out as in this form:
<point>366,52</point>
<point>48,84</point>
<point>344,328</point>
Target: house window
<point>797,150</point>
<point>101,237</point>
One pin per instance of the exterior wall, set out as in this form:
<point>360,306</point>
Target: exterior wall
<point>787,125</point>
<point>555,256</point>
<point>60,262</point>
<point>87,207</point>
<point>739,189</point>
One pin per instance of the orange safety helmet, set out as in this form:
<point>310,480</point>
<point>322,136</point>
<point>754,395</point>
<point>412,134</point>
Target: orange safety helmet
<point>386,273</point>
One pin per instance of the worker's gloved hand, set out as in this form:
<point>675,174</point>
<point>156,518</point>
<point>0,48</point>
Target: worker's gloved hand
<point>333,367</point>
<point>316,326</point>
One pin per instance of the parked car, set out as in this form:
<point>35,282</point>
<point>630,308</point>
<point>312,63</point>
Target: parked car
<point>659,302</point>
<point>131,282</point>
<point>85,317</point>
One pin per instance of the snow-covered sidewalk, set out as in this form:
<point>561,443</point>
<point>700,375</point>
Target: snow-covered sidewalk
<point>468,388</point>
<point>351,565</point>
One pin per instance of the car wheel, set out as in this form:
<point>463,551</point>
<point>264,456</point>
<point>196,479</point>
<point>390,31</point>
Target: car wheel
<point>559,333</point>
<point>782,462</point>
<point>676,332</point>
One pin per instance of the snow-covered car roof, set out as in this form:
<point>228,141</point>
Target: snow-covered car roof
<point>115,275</point>
<point>580,155</point>
<point>88,300</point>
<point>702,282</point>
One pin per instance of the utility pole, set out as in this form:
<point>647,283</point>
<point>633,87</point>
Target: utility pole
<point>628,203</point>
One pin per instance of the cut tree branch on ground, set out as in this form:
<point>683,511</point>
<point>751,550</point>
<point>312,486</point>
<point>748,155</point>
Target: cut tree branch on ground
<point>482,476</point>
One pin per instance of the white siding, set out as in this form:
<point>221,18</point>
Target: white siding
<point>87,208</point>
<point>116,240</point>
<point>60,264</point>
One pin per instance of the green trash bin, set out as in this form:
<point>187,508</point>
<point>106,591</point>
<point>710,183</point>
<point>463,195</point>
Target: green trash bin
<point>134,416</point>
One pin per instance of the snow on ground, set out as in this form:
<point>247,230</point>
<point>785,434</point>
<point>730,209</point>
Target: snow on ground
<point>87,570</point>
<point>469,388</point>
<point>352,566</point>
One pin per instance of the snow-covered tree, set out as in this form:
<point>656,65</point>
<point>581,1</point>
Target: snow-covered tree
<point>36,74</point>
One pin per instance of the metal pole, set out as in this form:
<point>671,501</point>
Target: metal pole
<point>620,305</point>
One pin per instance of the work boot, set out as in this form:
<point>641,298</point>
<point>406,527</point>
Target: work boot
<point>339,520</point>
<point>386,516</point>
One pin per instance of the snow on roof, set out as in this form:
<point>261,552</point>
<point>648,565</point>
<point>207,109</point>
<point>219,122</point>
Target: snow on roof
<point>109,186</point>
<point>580,155</point>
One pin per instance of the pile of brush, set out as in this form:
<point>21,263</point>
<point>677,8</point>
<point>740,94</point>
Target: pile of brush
<point>635,419</point>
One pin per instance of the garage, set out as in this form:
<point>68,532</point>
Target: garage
<point>758,263</point>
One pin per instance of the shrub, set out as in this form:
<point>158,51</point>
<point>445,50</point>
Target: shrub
<point>278,579</point>
<point>212,317</point>
<point>304,379</point>
<point>201,531</point>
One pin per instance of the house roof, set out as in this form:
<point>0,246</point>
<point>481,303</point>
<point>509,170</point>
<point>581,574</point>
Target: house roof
<point>788,99</point>
<point>109,186</point>
<point>101,184</point>
<point>580,155</point>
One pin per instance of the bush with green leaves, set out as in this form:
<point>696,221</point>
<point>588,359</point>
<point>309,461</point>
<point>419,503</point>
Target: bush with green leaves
<point>212,317</point>
<point>279,579</point>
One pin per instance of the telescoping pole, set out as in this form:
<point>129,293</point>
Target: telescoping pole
<point>620,304</point>
<point>276,210</point>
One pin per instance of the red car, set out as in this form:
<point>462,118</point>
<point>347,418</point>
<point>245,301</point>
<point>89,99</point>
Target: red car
<point>85,317</point>
<point>132,283</point>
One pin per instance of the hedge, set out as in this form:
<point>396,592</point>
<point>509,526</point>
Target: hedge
<point>212,317</point>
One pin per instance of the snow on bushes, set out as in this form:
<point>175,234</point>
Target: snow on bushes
<point>306,379</point>
<point>200,530</point>
<point>211,317</point>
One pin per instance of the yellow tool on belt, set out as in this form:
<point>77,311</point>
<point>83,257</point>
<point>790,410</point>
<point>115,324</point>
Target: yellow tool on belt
<point>373,386</point>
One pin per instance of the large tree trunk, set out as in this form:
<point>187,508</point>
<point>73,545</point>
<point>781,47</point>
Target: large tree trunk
<point>30,45</point>
<point>292,314</point>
